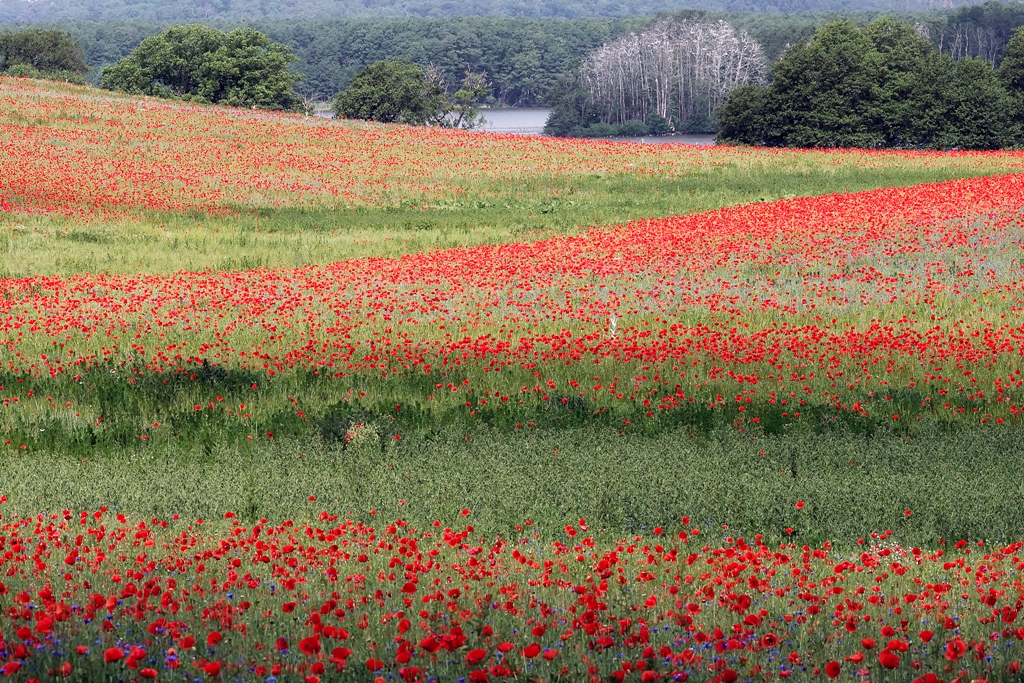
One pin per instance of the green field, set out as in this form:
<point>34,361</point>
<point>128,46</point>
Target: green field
<point>303,401</point>
<point>102,434</point>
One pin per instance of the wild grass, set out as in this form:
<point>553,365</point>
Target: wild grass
<point>959,484</point>
<point>97,182</point>
<point>155,242</point>
<point>197,438</point>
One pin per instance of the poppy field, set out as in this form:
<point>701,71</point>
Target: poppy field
<point>91,597</point>
<point>97,182</point>
<point>296,400</point>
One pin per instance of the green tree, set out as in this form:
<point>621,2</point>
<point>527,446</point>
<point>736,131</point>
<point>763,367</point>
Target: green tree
<point>882,85</point>
<point>249,70</point>
<point>45,51</point>
<point>569,114</point>
<point>392,91</point>
<point>979,110</point>
<point>462,111</point>
<point>1011,68</point>
<point>907,102</point>
<point>741,118</point>
<point>1011,73</point>
<point>241,68</point>
<point>822,92</point>
<point>400,91</point>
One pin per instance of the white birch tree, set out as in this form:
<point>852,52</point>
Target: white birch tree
<point>679,70</point>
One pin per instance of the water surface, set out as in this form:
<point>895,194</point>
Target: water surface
<point>530,121</point>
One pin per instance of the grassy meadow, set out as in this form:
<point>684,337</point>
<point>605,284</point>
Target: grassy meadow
<point>136,190</point>
<point>97,182</point>
<point>295,400</point>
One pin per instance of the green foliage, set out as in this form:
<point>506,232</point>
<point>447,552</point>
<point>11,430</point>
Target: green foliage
<point>42,53</point>
<point>521,58</point>
<point>1011,68</point>
<point>962,485</point>
<point>26,71</point>
<point>392,91</point>
<point>242,67</point>
<point>571,117</point>
<point>462,110</point>
<point>569,113</point>
<point>743,115</point>
<point>978,110</point>
<point>247,10</point>
<point>398,91</point>
<point>1011,73</point>
<point>878,86</point>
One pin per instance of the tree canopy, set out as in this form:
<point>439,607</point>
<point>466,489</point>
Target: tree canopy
<point>42,52</point>
<point>392,91</point>
<point>248,10</point>
<point>400,91</point>
<point>242,67</point>
<point>521,58</point>
<point>1011,68</point>
<point>881,85</point>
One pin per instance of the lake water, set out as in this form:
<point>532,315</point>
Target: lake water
<point>530,121</point>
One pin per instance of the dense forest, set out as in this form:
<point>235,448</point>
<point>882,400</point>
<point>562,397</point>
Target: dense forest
<point>23,11</point>
<point>521,58</point>
<point>879,86</point>
<point>672,76</point>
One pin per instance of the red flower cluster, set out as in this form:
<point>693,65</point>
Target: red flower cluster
<point>159,598</point>
<point>84,154</point>
<point>838,300</point>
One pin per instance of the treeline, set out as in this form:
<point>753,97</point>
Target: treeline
<point>880,85</point>
<point>177,11</point>
<point>670,77</point>
<point>522,59</point>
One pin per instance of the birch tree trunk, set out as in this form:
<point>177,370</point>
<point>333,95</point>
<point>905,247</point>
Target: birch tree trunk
<point>677,70</point>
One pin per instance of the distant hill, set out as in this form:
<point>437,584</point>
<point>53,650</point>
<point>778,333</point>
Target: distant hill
<point>26,11</point>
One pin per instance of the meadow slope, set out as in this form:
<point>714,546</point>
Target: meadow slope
<point>304,401</point>
<point>97,182</point>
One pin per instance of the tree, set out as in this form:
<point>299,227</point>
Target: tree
<point>391,91</point>
<point>399,91</point>
<point>672,75</point>
<point>882,85</point>
<point>462,110</point>
<point>1011,73</point>
<point>979,110</point>
<point>570,113</point>
<point>1011,68</point>
<point>822,91</point>
<point>248,70</point>
<point>741,117</point>
<point>907,103</point>
<point>240,68</point>
<point>45,51</point>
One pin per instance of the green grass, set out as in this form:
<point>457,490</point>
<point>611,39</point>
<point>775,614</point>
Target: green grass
<point>956,485</point>
<point>493,213</point>
<point>111,436</point>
